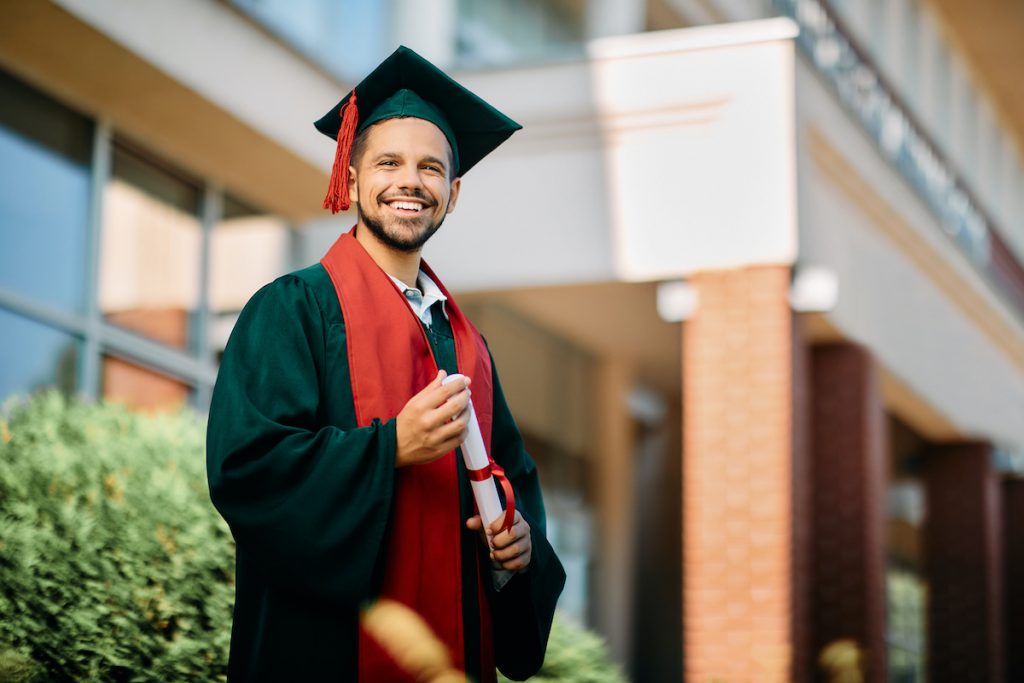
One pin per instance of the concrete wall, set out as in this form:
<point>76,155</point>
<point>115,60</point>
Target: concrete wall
<point>905,291</point>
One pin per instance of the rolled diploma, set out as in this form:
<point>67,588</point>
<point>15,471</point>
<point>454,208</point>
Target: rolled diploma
<point>475,455</point>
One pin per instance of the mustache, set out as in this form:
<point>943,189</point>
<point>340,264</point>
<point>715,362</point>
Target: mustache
<point>412,193</point>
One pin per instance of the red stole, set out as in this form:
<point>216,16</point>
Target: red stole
<point>390,360</point>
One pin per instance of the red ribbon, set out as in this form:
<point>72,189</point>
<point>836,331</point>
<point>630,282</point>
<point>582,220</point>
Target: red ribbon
<point>498,472</point>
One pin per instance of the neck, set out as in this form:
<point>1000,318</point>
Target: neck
<point>405,265</point>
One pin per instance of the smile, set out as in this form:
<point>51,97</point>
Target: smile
<point>406,207</point>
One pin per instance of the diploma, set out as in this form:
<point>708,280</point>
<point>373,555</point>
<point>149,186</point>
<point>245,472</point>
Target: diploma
<point>482,472</point>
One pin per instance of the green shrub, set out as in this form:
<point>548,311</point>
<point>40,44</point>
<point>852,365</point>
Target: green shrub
<point>114,565</point>
<point>574,654</point>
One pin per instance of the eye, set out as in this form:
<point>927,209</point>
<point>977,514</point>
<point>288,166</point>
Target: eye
<point>388,162</point>
<point>433,168</point>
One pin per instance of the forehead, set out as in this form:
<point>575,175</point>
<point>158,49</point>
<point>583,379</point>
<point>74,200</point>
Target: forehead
<point>407,135</point>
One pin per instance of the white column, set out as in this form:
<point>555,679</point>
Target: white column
<point>892,55</point>
<point>614,17</point>
<point>427,26</point>
<point>928,48</point>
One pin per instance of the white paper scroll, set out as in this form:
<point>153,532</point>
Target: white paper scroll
<point>475,456</point>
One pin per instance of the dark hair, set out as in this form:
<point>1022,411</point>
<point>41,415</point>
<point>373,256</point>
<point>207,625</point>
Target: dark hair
<point>359,148</point>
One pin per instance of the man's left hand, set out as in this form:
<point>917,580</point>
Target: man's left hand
<point>511,549</point>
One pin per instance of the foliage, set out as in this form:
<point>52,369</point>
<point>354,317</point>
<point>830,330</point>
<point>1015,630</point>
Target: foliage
<point>113,563</point>
<point>577,655</point>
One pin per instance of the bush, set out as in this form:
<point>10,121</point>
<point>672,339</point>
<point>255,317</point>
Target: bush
<point>114,565</point>
<point>574,654</point>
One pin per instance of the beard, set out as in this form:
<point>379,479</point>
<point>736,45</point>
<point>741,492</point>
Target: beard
<point>396,238</point>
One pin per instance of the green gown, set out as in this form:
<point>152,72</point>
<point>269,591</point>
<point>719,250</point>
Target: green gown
<point>307,495</point>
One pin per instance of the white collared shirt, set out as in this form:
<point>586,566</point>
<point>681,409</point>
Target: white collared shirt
<point>423,298</point>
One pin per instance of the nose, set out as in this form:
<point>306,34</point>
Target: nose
<point>409,177</point>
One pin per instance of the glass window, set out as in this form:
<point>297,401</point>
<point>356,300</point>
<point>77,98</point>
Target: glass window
<point>499,32</point>
<point>44,196</point>
<point>248,249</point>
<point>346,37</point>
<point>905,585</point>
<point>140,388</point>
<point>36,357</point>
<point>150,250</point>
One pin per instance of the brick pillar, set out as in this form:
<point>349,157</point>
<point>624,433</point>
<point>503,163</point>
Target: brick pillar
<point>963,564</point>
<point>738,475</point>
<point>849,473</point>
<point>1013,548</point>
<point>613,479</point>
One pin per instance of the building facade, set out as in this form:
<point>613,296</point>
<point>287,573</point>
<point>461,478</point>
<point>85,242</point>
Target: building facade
<point>751,272</point>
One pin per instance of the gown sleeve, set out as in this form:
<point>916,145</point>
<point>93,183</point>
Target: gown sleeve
<point>524,608</point>
<point>309,502</point>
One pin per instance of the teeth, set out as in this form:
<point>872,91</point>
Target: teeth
<point>410,206</point>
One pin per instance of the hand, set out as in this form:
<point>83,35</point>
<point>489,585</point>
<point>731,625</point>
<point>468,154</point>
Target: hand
<point>511,549</point>
<point>433,422</point>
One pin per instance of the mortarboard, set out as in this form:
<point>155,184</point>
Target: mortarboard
<point>407,85</point>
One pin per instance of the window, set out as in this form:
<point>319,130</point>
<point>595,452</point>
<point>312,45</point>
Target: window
<point>248,249</point>
<point>44,196</point>
<point>498,32</point>
<point>141,332</point>
<point>905,585</point>
<point>346,37</point>
<point>36,357</point>
<point>150,250</point>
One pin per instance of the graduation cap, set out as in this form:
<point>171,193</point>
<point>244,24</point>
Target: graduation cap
<point>407,85</point>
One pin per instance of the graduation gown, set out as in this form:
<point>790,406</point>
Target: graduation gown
<point>308,497</point>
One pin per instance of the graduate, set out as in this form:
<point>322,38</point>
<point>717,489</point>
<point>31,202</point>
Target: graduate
<point>332,447</point>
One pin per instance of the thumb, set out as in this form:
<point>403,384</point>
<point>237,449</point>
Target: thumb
<point>474,523</point>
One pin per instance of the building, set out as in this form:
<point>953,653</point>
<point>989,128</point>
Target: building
<point>761,315</point>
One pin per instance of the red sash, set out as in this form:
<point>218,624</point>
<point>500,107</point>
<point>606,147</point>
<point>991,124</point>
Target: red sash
<point>390,361</point>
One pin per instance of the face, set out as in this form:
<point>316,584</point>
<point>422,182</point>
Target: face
<point>402,184</point>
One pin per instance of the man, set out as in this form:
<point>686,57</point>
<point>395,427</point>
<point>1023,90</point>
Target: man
<point>331,440</point>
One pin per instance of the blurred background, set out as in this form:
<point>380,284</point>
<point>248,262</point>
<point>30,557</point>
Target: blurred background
<point>751,274</point>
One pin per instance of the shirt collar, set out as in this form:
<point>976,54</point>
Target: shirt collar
<point>421,298</point>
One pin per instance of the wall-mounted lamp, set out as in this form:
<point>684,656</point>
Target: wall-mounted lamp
<point>677,301</point>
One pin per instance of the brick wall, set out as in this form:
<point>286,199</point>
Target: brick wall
<point>1013,548</point>
<point>849,475</point>
<point>738,444</point>
<point>963,563</point>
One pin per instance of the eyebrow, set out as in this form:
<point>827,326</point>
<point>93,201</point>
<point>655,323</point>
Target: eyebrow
<point>428,159</point>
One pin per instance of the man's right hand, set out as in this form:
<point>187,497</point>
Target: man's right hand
<point>433,422</point>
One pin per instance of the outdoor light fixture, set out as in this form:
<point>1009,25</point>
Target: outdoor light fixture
<point>677,301</point>
<point>814,290</point>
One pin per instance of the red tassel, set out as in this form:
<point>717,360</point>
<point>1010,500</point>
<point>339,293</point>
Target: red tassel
<point>337,192</point>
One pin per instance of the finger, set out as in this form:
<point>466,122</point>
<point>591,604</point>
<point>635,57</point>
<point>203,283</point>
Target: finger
<point>452,407</point>
<point>517,564</point>
<point>516,532</point>
<point>452,388</point>
<point>449,445</point>
<point>452,430</point>
<point>494,528</point>
<point>474,523</point>
<point>510,552</point>
<point>435,385</point>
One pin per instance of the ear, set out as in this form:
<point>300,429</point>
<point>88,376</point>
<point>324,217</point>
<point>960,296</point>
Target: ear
<point>353,185</point>
<point>454,196</point>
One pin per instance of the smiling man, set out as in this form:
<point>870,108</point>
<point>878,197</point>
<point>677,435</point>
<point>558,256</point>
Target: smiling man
<point>332,440</point>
